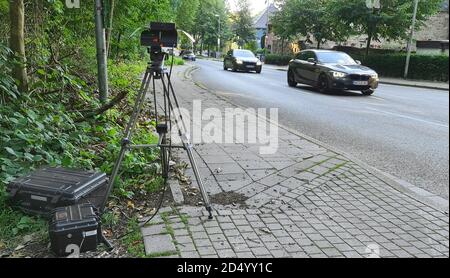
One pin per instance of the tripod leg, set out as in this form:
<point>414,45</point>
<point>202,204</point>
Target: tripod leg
<point>199,180</point>
<point>140,99</point>
<point>164,157</point>
<point>187,146</point>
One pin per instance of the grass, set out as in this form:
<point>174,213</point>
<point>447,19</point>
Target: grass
<point>338,166</point>
<point>14,225</point>
<point>134,240</point>
<point>177,61</point>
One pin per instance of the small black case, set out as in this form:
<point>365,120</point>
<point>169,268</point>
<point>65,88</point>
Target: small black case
<point>75,228</point>
<point>48,188</point>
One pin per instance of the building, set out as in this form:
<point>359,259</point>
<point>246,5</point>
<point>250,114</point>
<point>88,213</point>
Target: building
<point>262,23</point>
<point>433,38</point>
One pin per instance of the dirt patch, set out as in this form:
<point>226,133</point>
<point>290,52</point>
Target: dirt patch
<point>230,199</point>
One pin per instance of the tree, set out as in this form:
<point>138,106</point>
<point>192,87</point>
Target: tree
<point>391,21</point>
<point>206,27</point>
<point>130,17</point>
<point>243,27</point>
<point>186,14</point>
<point>111,6</point>
<point>309,18</point>
<point>17,42</point>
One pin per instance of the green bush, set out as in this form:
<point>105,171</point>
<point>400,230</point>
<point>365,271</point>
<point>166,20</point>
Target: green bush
<point>177,61</point>
<point>252,46</point>
<point>279,60</point>
<point>43,129</point>
<point>421,67</point>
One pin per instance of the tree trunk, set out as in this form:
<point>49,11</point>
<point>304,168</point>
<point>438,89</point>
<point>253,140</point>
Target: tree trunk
<point>318,43</point>
<point>17,42</point>
<point>369,42</point>
<point>119,37</point>
<point>110,24</point>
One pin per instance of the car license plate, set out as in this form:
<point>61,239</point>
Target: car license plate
<point>250,67</point>
<point>361,83</point>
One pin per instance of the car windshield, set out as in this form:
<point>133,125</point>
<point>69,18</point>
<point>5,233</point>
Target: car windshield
<point>335,58</point>
<point>244,54</point>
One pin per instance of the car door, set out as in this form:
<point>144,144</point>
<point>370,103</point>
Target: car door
<point>310,69</point>
<point>297,66</point>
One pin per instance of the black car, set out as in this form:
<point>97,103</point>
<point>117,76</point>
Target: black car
<point>329,70</point>
<point>243,60</point>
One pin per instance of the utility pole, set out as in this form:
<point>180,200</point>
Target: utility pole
<point>268,19</point>
<point>411,38</point>
<point>101,52</point>
<point>218,36</point>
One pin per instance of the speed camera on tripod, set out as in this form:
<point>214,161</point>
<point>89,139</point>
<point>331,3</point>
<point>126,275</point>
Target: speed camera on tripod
<point>160,35</point>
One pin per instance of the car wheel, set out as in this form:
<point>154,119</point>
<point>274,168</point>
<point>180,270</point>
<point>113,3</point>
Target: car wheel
<point>291,79</point>
<point>323,84</point>
<point>259,71</point>
<point>368,92</point>
<point>234,69</point>
<point>225,67</point>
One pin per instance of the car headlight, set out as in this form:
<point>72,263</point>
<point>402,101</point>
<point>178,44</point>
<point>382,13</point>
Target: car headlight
<point>337,74</point>
<point>259,63</point>
<point>239,62</point>
<point>374,76</point>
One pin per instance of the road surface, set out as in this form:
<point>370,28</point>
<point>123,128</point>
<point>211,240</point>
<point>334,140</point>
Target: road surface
<point>403,131</point>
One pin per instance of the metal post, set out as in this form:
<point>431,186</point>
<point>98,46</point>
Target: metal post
<point>218,39</point>
<point>218,35</point>
<point>101,52</point>
<point>411,38</point>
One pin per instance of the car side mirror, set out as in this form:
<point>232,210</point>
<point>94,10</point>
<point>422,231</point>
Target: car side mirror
<point>312,60</point>
<point>358,62</point>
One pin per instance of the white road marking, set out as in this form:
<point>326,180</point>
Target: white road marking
<point>410,118</point>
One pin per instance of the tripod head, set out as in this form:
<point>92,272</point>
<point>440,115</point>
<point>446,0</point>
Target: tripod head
<point>157,58</point>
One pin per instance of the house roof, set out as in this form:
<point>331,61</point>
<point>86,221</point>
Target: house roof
<point>262,20</point>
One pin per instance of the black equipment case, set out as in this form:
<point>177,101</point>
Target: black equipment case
<point>75,228</point>
<point>48,188</point>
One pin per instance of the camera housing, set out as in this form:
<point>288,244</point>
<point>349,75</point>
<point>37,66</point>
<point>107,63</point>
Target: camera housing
<point>160,35</point>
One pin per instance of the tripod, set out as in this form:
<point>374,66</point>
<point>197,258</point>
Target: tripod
<point>157,71</point>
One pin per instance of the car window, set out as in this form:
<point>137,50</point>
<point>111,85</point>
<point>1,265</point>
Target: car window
<point>243,54</point>
<point>309,54</point>
<point>301,56</point>
<point>336,58</point>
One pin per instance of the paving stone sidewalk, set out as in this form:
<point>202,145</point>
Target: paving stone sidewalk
<point>304,201</point>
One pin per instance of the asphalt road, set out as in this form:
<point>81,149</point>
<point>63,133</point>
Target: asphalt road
<point>403,131</point>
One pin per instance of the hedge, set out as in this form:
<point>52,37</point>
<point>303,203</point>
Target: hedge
<point>279,60</point>
<point>421,67</point>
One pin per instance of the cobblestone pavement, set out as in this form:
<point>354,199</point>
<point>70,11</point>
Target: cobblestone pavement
<point>304,201</point>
